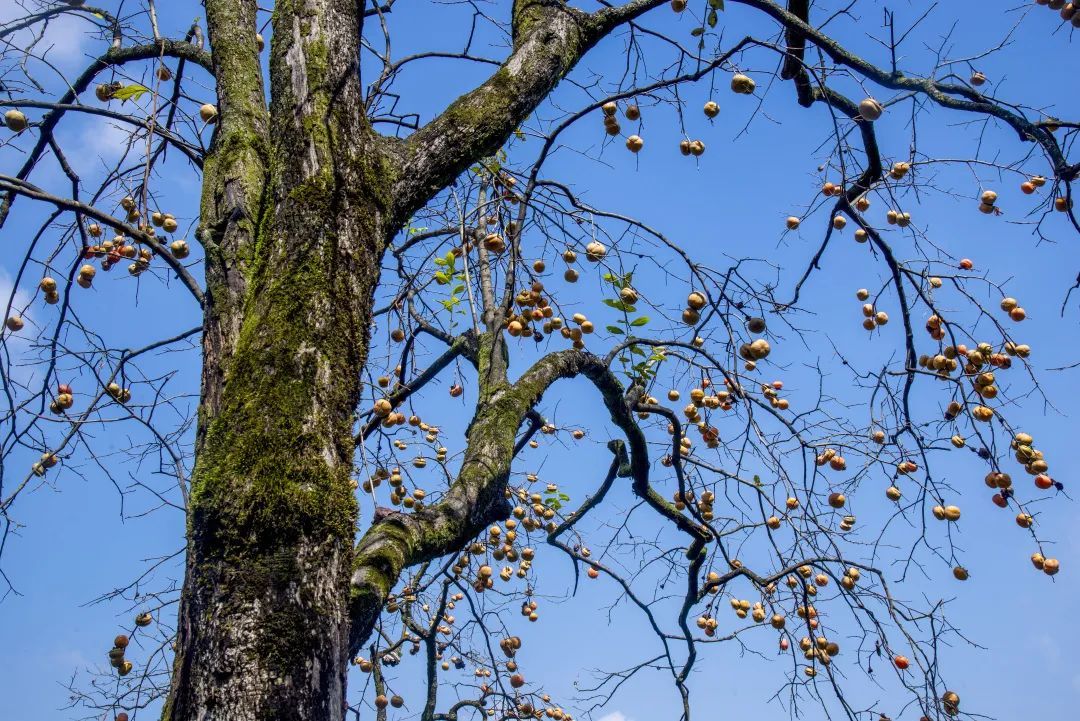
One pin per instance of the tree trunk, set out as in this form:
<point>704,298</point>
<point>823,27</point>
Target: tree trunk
<point>263,623</point>
<point>294,221</point>
<point>263,638</point>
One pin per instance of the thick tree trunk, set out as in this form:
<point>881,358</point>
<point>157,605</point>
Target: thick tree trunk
<point>294,221</point>
<point>263,625</point>
<point>263,638</point>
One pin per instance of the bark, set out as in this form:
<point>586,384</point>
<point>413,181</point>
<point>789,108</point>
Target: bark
<point>235,174</point>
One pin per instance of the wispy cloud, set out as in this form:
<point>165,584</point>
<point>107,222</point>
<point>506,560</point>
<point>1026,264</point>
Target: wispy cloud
<point>615,716</point>
<point>16,343</point>
<point>1050,647</point>
<point>105,141</point>
<point>6,286</point>
<point>67,37</point>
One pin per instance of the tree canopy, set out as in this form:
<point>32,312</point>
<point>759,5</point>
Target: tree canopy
<point>529,359</point>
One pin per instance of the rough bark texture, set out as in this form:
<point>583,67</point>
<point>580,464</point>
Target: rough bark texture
<point>299,201</point>
<point>293,220</point>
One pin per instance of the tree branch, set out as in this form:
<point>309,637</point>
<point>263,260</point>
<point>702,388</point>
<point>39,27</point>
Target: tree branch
<point>400,540</point>
<point>112,58</point>
<point>191,152</point>
<point>15,187</point>
<point>549,38</point>
<point>948,95</point>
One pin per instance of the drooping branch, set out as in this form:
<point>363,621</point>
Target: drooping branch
<point>397,540</point>
<point>472,501</point>
<point>190,151</point>
<point>460,346</point>
<point>15,187</point>
<point>93,14</point>
<point>948,95</point>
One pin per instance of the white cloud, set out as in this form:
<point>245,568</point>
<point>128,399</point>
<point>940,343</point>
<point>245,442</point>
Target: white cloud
<point>19,301</point>
<point>67,37</point>
<point>104,141</point>
<point>68,659</point>
<point>1050,647</point>
<point>16,344</point>
<point>614,716</point>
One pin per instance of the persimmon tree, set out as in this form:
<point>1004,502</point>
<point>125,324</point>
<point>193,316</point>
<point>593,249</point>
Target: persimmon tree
<point>350,260</point>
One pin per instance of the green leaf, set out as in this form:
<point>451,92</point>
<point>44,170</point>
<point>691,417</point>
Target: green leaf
<point>564,497</point>
<point>441,278</point>
<point>130,92</point>
<point>457,289</point>
<point>697,32</point>
<point>440,262</point>
<point>618,305</point>
<point>638,322</point>
<point>616,330</point>
<point>637,351</point>
<point>713,18</point>
<point>717,4</point>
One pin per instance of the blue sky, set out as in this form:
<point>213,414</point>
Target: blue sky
<point>82,538</point>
